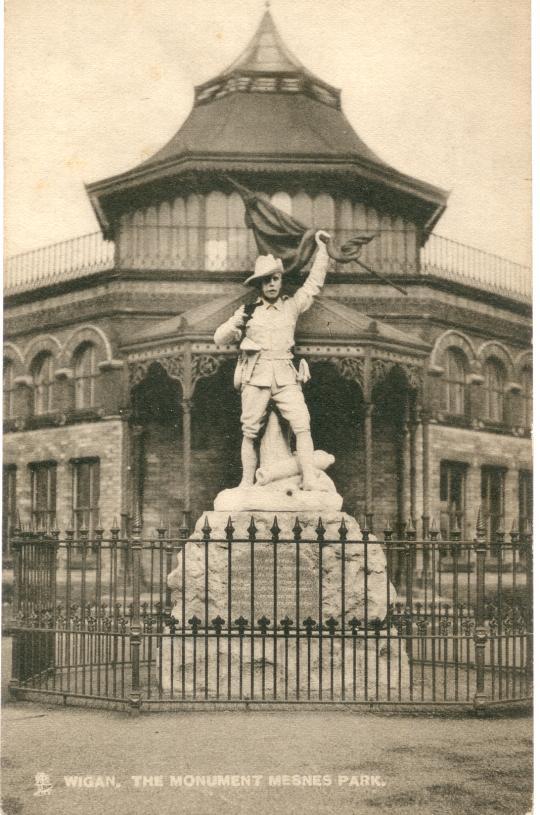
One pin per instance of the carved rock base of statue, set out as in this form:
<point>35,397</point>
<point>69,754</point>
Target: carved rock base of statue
<point>287,493</point>
<point>283,580</point>
<point>279,482</point>
<point>381,668</point>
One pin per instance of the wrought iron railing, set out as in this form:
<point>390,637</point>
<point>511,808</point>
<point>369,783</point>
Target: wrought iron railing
<point>58,262</point>
<point>239,615</point>
<point>221,249</point>
<point>445,258</point>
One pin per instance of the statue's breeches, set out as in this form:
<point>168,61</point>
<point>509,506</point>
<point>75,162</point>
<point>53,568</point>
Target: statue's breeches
<point>289,400</point>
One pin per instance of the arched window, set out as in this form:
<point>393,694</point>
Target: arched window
<point>455,382</point>
<point>9,391</point>
<point>85,376</point>
<point>527,385</point>
<point>42,375</point>
<point>494,390</point>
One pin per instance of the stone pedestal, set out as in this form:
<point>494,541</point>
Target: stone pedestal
<point>374,668</point>
<point>281,603</point>
<point>274,581</point>
<point>352,575</point>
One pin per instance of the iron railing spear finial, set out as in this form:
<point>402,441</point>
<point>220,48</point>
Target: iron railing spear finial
<point>481,526</point>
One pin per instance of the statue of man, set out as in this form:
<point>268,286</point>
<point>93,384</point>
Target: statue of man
<point>265,332</point>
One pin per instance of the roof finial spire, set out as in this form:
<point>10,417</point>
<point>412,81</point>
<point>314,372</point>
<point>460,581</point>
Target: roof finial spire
<point>267,5</point>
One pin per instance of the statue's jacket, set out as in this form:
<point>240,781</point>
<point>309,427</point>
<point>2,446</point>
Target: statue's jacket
<point>266,348</point>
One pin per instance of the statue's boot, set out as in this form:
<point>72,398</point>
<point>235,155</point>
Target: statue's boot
<point>304,453</point>
<point>249,462</point>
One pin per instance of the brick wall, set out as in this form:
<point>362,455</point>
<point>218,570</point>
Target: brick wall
<point>385,477</point>
<point>215,460</point>
<point>336,411</point>
<point>164,494</point>
<point>163,475</point>
<point>215,453</point>
<point>103,440</point>
<point>477,449</point>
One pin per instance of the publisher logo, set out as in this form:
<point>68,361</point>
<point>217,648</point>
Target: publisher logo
<point>43,785</point>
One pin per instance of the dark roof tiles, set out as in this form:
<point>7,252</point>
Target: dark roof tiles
<point>262,124</point>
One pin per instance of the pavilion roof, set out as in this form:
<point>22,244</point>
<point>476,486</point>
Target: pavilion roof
<point>327,321</point>
<point>265,113</point>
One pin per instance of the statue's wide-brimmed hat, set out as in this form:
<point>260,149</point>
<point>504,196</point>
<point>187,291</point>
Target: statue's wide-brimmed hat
<point>265,265</point>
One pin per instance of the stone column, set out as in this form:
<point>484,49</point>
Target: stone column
<point>403,442</point>
<point>476,396</point>
<point>413,447</point>
<point>368,443</point>
<point>513,405</point>
<point>368,440</point>
<point>65,390</point>
<point>432,392</point>
<point>403,471</point>
<point>186,431</point>
<point>426,472</point>
<point>137,470</point>
<point>188,386</point>
<point>23,407</point>
<point>123,509</point>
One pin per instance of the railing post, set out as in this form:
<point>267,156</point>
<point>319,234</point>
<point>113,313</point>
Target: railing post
<point>135,696</point>
<point>426,481</point>
<point>410,562</point>
<point>53,544</point>
<point>480,632</point>
<point>16,653</point>
<point>530,615</point>
<point>162,531</point>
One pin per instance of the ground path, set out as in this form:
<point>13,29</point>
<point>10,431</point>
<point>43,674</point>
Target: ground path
<point>429,765</point>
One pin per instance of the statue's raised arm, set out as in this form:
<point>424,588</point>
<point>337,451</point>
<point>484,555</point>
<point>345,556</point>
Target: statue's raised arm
<point>315,280</point>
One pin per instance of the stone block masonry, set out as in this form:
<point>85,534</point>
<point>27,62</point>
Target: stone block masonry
<point>476,450</point>
<point>103,440</point>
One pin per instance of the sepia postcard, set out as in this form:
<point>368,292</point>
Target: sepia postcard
<point>267,505</point>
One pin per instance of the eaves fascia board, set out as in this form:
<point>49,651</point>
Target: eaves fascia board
<point>420,350</point>
<point>328,163</point>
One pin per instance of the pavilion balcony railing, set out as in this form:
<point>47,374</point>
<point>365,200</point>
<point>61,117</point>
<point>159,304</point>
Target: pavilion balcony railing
<point>223,249</point>
<point>58,262</point>
<point>442,257</point>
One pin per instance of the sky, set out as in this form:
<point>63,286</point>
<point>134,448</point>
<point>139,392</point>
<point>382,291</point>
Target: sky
<point>437,88</point>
